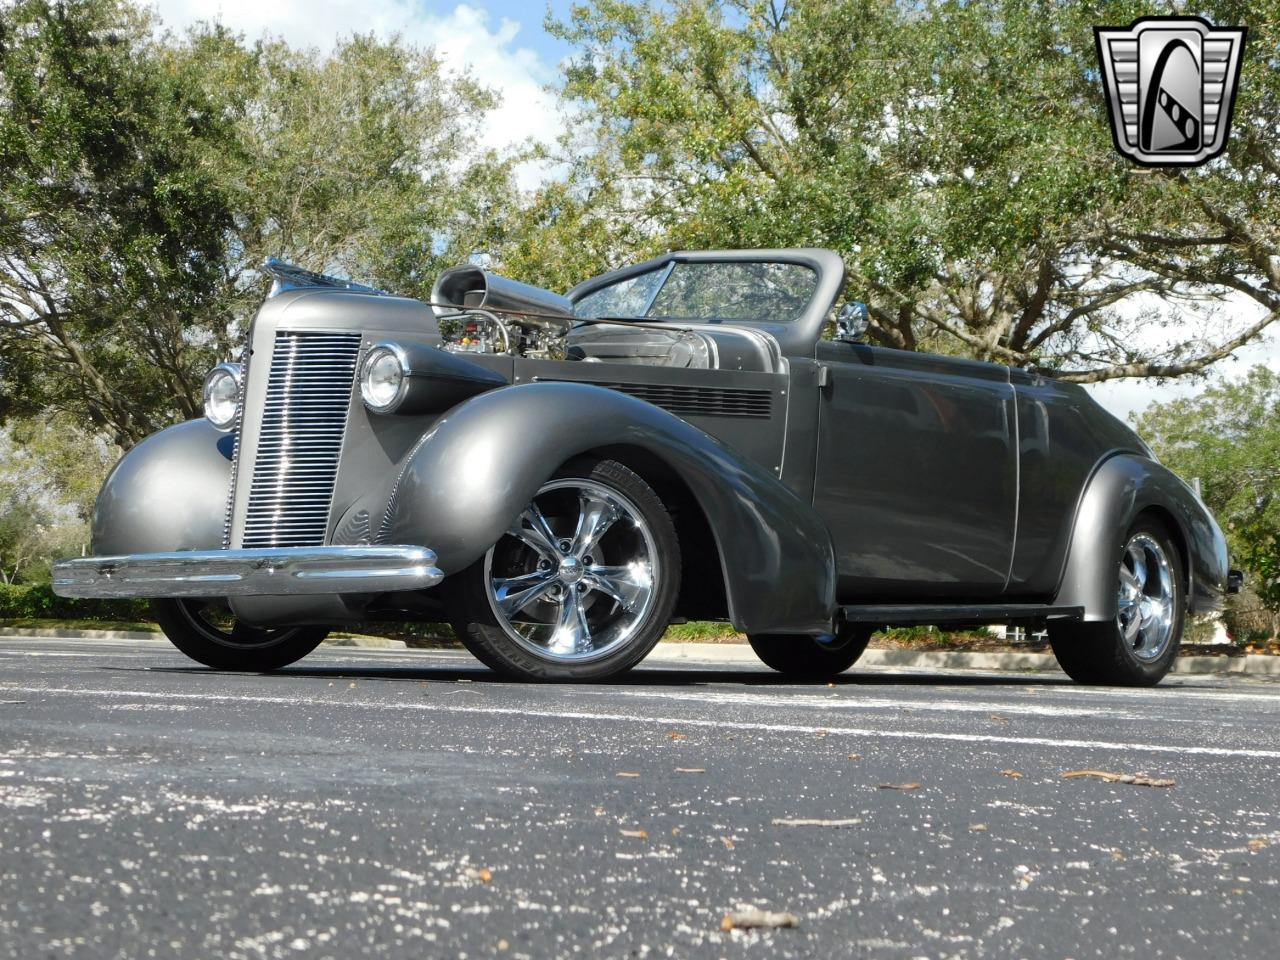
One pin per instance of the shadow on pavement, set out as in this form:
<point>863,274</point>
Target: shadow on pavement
<point>642,677</point>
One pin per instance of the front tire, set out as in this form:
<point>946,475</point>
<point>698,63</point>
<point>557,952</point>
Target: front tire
<point>1138,647</point>
<point>581,587</point>
<point>205,632</point>
<point>812,658</point>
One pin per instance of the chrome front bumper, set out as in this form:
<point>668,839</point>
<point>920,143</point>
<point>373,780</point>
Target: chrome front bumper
<point>283,571</point>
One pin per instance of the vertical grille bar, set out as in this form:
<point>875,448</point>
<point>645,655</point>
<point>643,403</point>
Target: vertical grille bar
<point>304,419</point>
<point>228,518</point>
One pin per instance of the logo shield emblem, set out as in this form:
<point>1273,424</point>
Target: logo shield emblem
<point>1171,85</point>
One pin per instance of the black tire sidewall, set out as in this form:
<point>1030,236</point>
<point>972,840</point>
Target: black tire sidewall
<point>478,627</point>
<point>288,645</point>
<point>805,657</point>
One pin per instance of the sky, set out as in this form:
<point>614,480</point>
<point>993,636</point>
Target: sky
<point>504,45</point>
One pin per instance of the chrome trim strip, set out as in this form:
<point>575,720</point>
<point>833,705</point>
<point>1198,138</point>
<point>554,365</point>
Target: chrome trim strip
<point>288,276</point>
<point>279,571</point>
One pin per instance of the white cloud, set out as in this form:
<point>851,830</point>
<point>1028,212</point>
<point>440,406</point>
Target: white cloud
<point>465,38</point>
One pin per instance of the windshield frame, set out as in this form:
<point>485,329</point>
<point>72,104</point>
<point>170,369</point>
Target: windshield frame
<point>796,337</point>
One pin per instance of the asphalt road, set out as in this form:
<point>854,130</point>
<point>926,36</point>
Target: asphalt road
<point>389,804</point>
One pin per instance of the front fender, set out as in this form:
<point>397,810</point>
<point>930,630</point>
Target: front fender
<point>167,493</point>
<point>1122,487</point>
<point>482,463</point>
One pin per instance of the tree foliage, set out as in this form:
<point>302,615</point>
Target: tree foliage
<point>1229,437</point>
<point>959,153</point>
<point>144,179</point>
<point>50,471</point>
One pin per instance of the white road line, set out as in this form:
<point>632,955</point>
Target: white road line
<point>1026,708</point>
<point>733,725</point>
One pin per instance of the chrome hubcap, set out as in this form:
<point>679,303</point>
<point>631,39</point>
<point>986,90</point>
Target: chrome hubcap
<point>576,575</point>
<point>1146,600</point>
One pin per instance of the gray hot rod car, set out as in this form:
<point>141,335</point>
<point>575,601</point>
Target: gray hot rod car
<point>560,477</point>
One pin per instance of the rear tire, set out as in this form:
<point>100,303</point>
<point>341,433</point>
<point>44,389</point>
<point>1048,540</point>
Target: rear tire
<point>204,633</point>
<point>1138,647</point>
<point>582,586</point>
<point>812,658</point>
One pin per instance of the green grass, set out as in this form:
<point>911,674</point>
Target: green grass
<point>702,631</point>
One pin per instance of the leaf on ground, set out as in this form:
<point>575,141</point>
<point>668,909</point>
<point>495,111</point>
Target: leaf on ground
<point>483,874</point>
<point>1013,774</point>
<point>820,734</point>
<point>728,842</point>
<point>795,822</point>
<point>627,773</point>
<point>676,735</point>
<point>977,828</point>
<point>854,756</point>
<point>691,769</point>
<point>751,919</point>
<point>999,718</point>
<point>600,811</point>
<point>1256,844</point>
<point>898,786</point>
<point>635,834</point>
<point>1137,779</point>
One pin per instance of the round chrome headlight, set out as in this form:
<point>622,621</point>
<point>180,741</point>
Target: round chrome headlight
<point>222,395</point>
<point>383,374</point>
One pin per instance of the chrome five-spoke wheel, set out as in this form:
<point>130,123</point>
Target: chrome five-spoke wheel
<point>574,576</point>
<point>582,583</point>
<point>1146,601</point>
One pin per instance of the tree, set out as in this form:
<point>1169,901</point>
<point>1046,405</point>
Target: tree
<point>110,230</point>
<point>1229,437</point>
<point>50,470</point>
<point>144,179</point>
<point>959,153</point>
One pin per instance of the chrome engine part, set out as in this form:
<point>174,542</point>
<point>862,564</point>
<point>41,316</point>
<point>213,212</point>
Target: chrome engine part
<point>481,312</point>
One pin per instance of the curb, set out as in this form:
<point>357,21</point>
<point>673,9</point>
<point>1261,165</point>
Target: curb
<point>69,634</point>
<point>738,654</point>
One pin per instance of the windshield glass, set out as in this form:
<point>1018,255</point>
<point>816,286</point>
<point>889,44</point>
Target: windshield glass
<point>723,290</point>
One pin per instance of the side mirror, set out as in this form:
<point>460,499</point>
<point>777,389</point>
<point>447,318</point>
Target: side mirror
<point>1235,581</point>
<point>852,322</point>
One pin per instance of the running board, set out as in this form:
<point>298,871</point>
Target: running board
<point>979,614</point>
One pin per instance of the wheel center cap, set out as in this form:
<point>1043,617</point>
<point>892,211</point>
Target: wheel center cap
<point>571,570</point>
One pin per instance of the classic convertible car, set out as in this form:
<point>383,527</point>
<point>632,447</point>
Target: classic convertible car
<point>561,477</point>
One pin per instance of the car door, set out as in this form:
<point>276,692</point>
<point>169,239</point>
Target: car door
<point>916,474</point>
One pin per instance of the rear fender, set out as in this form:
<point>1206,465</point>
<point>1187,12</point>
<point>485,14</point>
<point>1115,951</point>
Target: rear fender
<point>1121,488</point>
<point>482,463</point>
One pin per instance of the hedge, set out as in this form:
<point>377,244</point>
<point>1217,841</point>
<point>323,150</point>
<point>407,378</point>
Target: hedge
<point>37,601</point>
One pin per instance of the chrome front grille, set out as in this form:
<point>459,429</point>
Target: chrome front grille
<point>304,419</point>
